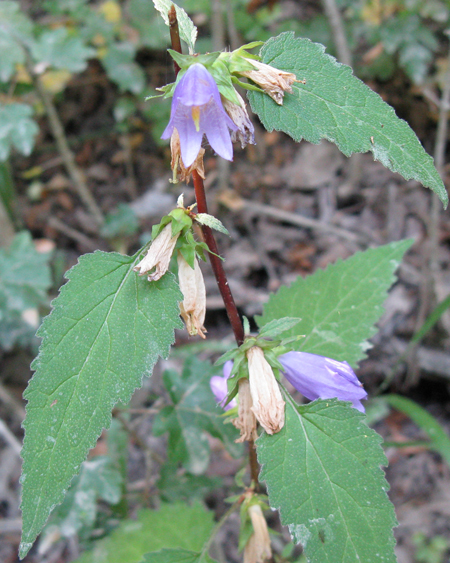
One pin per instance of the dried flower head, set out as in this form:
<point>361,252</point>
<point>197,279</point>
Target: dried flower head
<point>180,172</point>
<point>258,548</point>
<point>197,110</point>
<point>245,132</point>
<point>273,81</point>
<point>158,256</point>
<point>268,404</point>
<point>246,420</point>
<point>193,306</point>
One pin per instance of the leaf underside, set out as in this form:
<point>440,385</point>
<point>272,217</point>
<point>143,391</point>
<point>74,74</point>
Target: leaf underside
<point>333,104</point>
<point>106,331</point>
<point>323,474</point>
<point>340,305</point>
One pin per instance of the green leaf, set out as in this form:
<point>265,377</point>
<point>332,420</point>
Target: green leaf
<point>339,306</point>
<point>278,326</point>
<point>15,28</point>
<point>16,129</point>
<point>193,413</point>
<point>121,68</point>
<point>323,474</point>
<point>98,479</point>
<point>62,50</point>
<point>177,485</point>
<point>18,289</point>
<point>335,105</point>
<point>212,222</point>
<point>440,440</point>
<point>106,331</point>
<point>121,222</point>
<point>176,556</point>
<point>172,526</point>
<point>188,31</point>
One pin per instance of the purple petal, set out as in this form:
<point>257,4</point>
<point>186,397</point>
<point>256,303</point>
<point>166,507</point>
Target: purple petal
<point>219,387</point>
<point>318,377</point>
<point>198,88</point>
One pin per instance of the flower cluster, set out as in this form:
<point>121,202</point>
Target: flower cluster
<point>315,377</point>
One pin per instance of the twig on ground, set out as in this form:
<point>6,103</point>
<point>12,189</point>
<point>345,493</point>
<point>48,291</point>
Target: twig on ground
<point>307,222</point>
<point>72,233</point>
<point>57,129</point>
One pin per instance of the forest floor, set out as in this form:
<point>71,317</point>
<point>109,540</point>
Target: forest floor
<point>290,209</point>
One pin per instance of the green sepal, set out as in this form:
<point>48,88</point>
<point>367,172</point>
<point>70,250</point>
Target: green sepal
<point>180,220</point>
<point>185,61</point>
<point>247,85</point>
<point>212,222</point>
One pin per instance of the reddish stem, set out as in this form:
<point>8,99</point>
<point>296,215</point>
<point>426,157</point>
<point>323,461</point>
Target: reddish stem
<point>174,35</point>
<point>216,263</point>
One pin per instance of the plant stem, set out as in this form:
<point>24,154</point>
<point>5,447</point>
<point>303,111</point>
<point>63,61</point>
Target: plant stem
<point>216,263</point>
<point>174,35</point>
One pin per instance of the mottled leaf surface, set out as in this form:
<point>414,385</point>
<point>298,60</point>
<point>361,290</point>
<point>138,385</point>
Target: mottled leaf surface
<point>175,526</point>
<point>340,305</point>
<point>106,331</point>
<point>333,104</point>
<point>323,474</point>
<point>193,413</point>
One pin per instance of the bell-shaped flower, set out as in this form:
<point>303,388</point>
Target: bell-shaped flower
<point>157,260</point>
<point>268,404</point>
<point>318,377</point>
<point>219,387</point>
<point>193,306</point>
<point>197,110</point>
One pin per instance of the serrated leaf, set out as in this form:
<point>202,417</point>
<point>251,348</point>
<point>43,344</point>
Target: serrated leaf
<point>278,326</point>
<point>106,331</point>
<point>176,556</point>
<point>62,50</point>
<point>339,306</point>
<point>175,484</point>
<point>333,104</point>
<point>323,474</point>
<point>172,526</point>
<point>98,479</point>
<point>18,289</point>
<point>188,31</point>
<point>211,221</point>
<point>17,129</point>
<point>193,413</point>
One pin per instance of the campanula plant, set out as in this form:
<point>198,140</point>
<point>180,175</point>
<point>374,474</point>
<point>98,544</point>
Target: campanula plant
<point>319,462</point>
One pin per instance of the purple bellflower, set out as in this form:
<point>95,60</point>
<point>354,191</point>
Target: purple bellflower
<point>315,377</point>
<point>318,377</point>
<point>219,387</point>
<point>197,109</point>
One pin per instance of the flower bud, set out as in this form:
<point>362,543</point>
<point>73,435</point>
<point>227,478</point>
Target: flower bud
<point>193,306</point>
<point>273,81</point>
<point>258,548</point>
<point>158,255</point>
<point>268,404</point>
<point>246,421</point>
